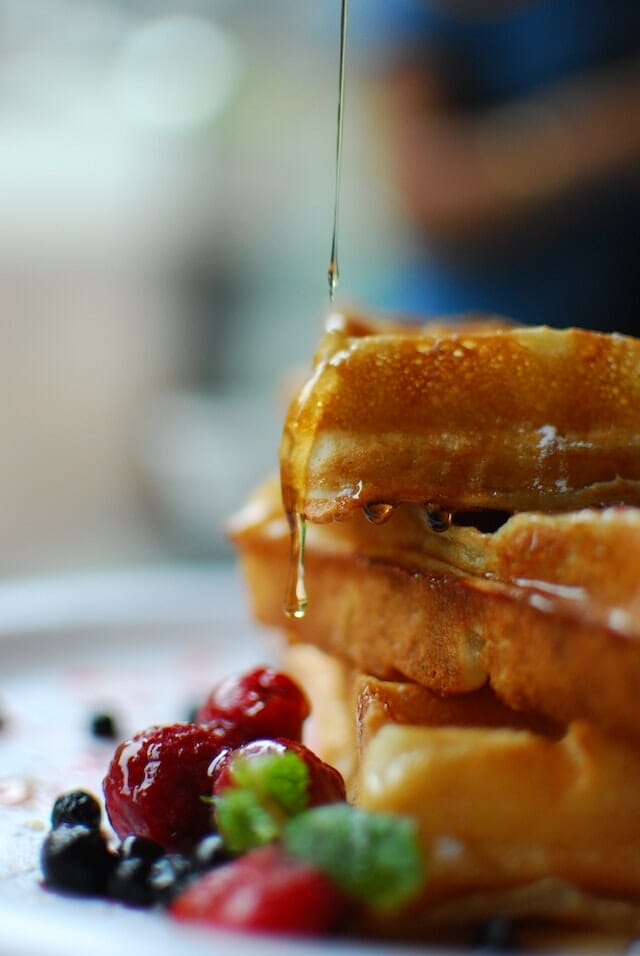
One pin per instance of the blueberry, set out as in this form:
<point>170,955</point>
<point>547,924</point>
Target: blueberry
<point>146,876</point>
<point>128,882</point>
<point>140,848</point>
<point>169,875</point>
<point>76,807</point>
<point>76,859</point>
<point>104,726</point>
<point>209,852</point>
<point>496,934</point>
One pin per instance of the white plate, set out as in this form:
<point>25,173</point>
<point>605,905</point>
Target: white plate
<point>145,646</point>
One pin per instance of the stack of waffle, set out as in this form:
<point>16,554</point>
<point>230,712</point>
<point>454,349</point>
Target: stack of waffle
<point>469,500</point>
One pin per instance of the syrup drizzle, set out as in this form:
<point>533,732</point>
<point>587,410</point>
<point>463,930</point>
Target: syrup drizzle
<point>439,519</point>
<point>378,512</point>
<point>334,269</point>
<point>296,594</point>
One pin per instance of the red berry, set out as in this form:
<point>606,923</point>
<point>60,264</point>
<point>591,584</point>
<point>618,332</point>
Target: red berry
<point>264,891</point>
<point>155,783</point>
<point>325,782</point>
<point>261,703</point>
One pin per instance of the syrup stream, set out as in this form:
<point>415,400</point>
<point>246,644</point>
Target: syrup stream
<point>296,594</point>
<point>334,270</point>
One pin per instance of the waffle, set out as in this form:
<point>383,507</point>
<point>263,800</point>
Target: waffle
<point>515,815</point>
<point>468,498</point>
<point>464,417</point>
<point>547,608</point>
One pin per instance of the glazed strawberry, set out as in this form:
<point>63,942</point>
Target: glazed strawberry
<point>155,783</point>
<point>264,891</point>
<point>325,783</point>
<point>262,703</point>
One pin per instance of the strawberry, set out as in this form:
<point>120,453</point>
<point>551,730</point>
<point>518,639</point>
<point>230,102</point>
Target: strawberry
<point>261,703</point>
<point>324,783</point>
<point>264,891</point>
<point>155,782</point>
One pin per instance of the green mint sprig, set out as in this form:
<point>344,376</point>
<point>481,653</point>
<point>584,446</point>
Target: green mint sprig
<point>279,777</point>
<point>374,857</point>
<point>266,791</point>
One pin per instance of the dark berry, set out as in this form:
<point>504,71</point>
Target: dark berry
<point>76,860</point>
<point>76,807</point>
<point>325,782</point>
<point>495,934</point>
<point>145,875</point>
<point>104,726</point>
<point>209,852</point>
<point>263,703</point>
<point>168,876</point>
<point>129,882</point>
<point>140,848</point>
<point>156,781</point>
<point>264,891</point>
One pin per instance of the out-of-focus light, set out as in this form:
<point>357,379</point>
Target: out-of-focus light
<point>175,72</point>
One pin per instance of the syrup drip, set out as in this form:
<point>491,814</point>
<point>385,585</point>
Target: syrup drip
<point>334,270</point>
<point>378,512</point>
<point>439,519</point>
<point>296,594</point>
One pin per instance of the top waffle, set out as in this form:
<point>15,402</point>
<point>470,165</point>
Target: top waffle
<point>461,417</point>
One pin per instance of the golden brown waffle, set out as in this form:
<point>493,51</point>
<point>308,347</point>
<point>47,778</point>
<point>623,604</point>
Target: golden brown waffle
<point>464,417</point>
<point>516,816</point>
<point>499,709</point>
<point>505,814</point>
<point>547,607</point>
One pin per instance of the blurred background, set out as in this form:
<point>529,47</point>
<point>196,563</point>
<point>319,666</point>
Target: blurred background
<point>166,200</point>
<point>166,191</point>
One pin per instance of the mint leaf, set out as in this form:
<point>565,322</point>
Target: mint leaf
<point>372,856</point>
<point>243,822</point>
<point>267,790</point>
<point>280,777</point>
